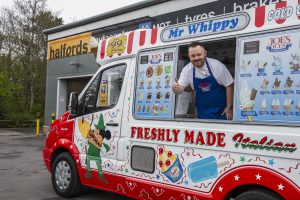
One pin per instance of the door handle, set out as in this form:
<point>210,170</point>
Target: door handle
<point>112,124</point>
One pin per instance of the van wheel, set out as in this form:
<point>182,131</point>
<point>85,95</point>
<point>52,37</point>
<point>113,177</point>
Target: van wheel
<point>64,175</point>
<point>258,194</point>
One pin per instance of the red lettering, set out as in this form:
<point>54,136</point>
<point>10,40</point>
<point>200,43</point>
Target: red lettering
<point>147,131</point>
<point>161,134</point>
<point>263,140</point>
<point>211,138</point>
<point>200,138</point>
<point>221,137</point>
<point>278,144</point>
<point>175,134</point>
<point>133,131</point>
<point>153,134</point>
<point>270,142</point>
<point>254,142</point>
<point>140,133</point>
<point>169,139</point>
<point>189,137</point>
<point>238,137</point>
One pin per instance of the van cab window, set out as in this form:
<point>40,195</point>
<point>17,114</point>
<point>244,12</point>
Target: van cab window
<point>104,91</point>
<point>110,87</point>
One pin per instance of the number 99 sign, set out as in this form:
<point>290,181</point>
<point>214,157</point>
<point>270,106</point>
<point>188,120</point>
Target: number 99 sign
<point>116,45</point>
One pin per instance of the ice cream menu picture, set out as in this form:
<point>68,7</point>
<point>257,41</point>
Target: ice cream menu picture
<point>154,96</point>
<point>268,78</point>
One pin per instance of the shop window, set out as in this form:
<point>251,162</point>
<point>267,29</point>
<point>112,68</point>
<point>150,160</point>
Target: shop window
<point>143,159</point>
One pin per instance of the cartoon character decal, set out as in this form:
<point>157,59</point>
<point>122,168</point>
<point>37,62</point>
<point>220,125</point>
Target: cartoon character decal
<point>94,144</point>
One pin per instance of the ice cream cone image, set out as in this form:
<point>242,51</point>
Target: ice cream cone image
<point>94,46</point>
<point>247,97</point>
<point>275,104</point>
<point>263,105</point>
<point>276,84</point>
<point>264,84</point>
<point>288,104</point>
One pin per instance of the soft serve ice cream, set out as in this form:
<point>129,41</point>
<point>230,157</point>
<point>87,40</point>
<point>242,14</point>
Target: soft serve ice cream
<point>247,97</point>
<point>263,105</point>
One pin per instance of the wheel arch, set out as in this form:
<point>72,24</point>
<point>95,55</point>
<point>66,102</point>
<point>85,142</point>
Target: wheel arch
<point>254,177</point>
<point>244,188</point>
<point>64,145</point>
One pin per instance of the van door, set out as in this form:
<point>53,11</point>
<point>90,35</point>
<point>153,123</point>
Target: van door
<point>98,126</point>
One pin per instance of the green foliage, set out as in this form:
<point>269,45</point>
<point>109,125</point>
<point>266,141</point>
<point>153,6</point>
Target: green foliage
<point>23,58</point>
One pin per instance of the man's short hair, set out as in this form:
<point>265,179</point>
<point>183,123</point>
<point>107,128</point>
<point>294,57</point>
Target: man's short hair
<point>195,44</point>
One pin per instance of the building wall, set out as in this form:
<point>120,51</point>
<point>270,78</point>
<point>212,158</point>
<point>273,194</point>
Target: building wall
<point>60,69</point>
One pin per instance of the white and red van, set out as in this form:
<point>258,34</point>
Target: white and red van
<point>128,133</point>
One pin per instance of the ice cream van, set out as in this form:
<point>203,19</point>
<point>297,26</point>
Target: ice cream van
<point>140,140</point>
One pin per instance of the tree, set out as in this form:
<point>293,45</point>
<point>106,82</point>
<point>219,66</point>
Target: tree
<point>23,48</point>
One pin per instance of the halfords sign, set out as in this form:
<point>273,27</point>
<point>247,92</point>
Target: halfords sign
<point>70,46</point>
<point>217,25</point>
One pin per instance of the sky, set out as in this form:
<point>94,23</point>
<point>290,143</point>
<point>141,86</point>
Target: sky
<point>74,10</point>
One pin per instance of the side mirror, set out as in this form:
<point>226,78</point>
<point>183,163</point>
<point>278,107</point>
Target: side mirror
<point>73,103</point>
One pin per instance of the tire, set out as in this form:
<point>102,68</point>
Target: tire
<point>64,175</point>
<point>258,194</point>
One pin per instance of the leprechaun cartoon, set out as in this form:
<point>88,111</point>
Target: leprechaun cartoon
<point>94,146</point>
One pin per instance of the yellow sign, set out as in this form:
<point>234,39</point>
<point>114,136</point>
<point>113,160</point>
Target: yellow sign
<point>70,46</point>
<point>103,93</point>
<point>116,45</point>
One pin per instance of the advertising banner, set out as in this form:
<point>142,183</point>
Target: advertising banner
<point>154,96</point>
<point>268,77</point>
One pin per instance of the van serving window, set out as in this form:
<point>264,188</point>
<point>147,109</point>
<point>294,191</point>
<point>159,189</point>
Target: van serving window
<point>211,80</point>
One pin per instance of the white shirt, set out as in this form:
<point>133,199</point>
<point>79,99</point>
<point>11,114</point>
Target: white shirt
<point>219,70</point>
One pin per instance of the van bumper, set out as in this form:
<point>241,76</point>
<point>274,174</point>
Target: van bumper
<point>47,158</point>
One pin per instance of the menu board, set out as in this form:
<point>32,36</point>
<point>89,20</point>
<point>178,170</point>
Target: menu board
<point>268,78</point>
<point>154,96</point>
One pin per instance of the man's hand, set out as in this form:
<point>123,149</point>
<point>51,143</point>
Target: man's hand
<point>175,86</point>
<point>228,112</point>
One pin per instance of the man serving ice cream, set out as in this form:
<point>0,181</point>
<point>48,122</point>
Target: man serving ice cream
<point>211,81</point>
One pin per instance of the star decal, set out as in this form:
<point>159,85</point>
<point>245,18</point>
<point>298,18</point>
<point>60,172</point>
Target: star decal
<point>271,162</point>
<point>157,177</point>
<point>186,182</point>
<point>242,159</point>
<point>108,165</point>
<point>280,187</point>
<point>258,177</point>
<point>188,154</point>
<point>220,189</point>
<point>236,178</point>
<point>189,197</point>
<point>126,170</point>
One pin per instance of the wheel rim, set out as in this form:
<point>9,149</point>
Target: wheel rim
<point>62,175</point>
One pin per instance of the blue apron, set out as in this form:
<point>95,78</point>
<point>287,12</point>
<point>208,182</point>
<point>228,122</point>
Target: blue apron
<point>210,96</point>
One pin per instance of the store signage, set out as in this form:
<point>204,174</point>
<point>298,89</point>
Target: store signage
<point>216,25</point>
<point>279,44</point>
<point>70,46</point>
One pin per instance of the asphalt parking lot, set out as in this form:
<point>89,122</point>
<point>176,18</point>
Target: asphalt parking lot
<point>22,171</point>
